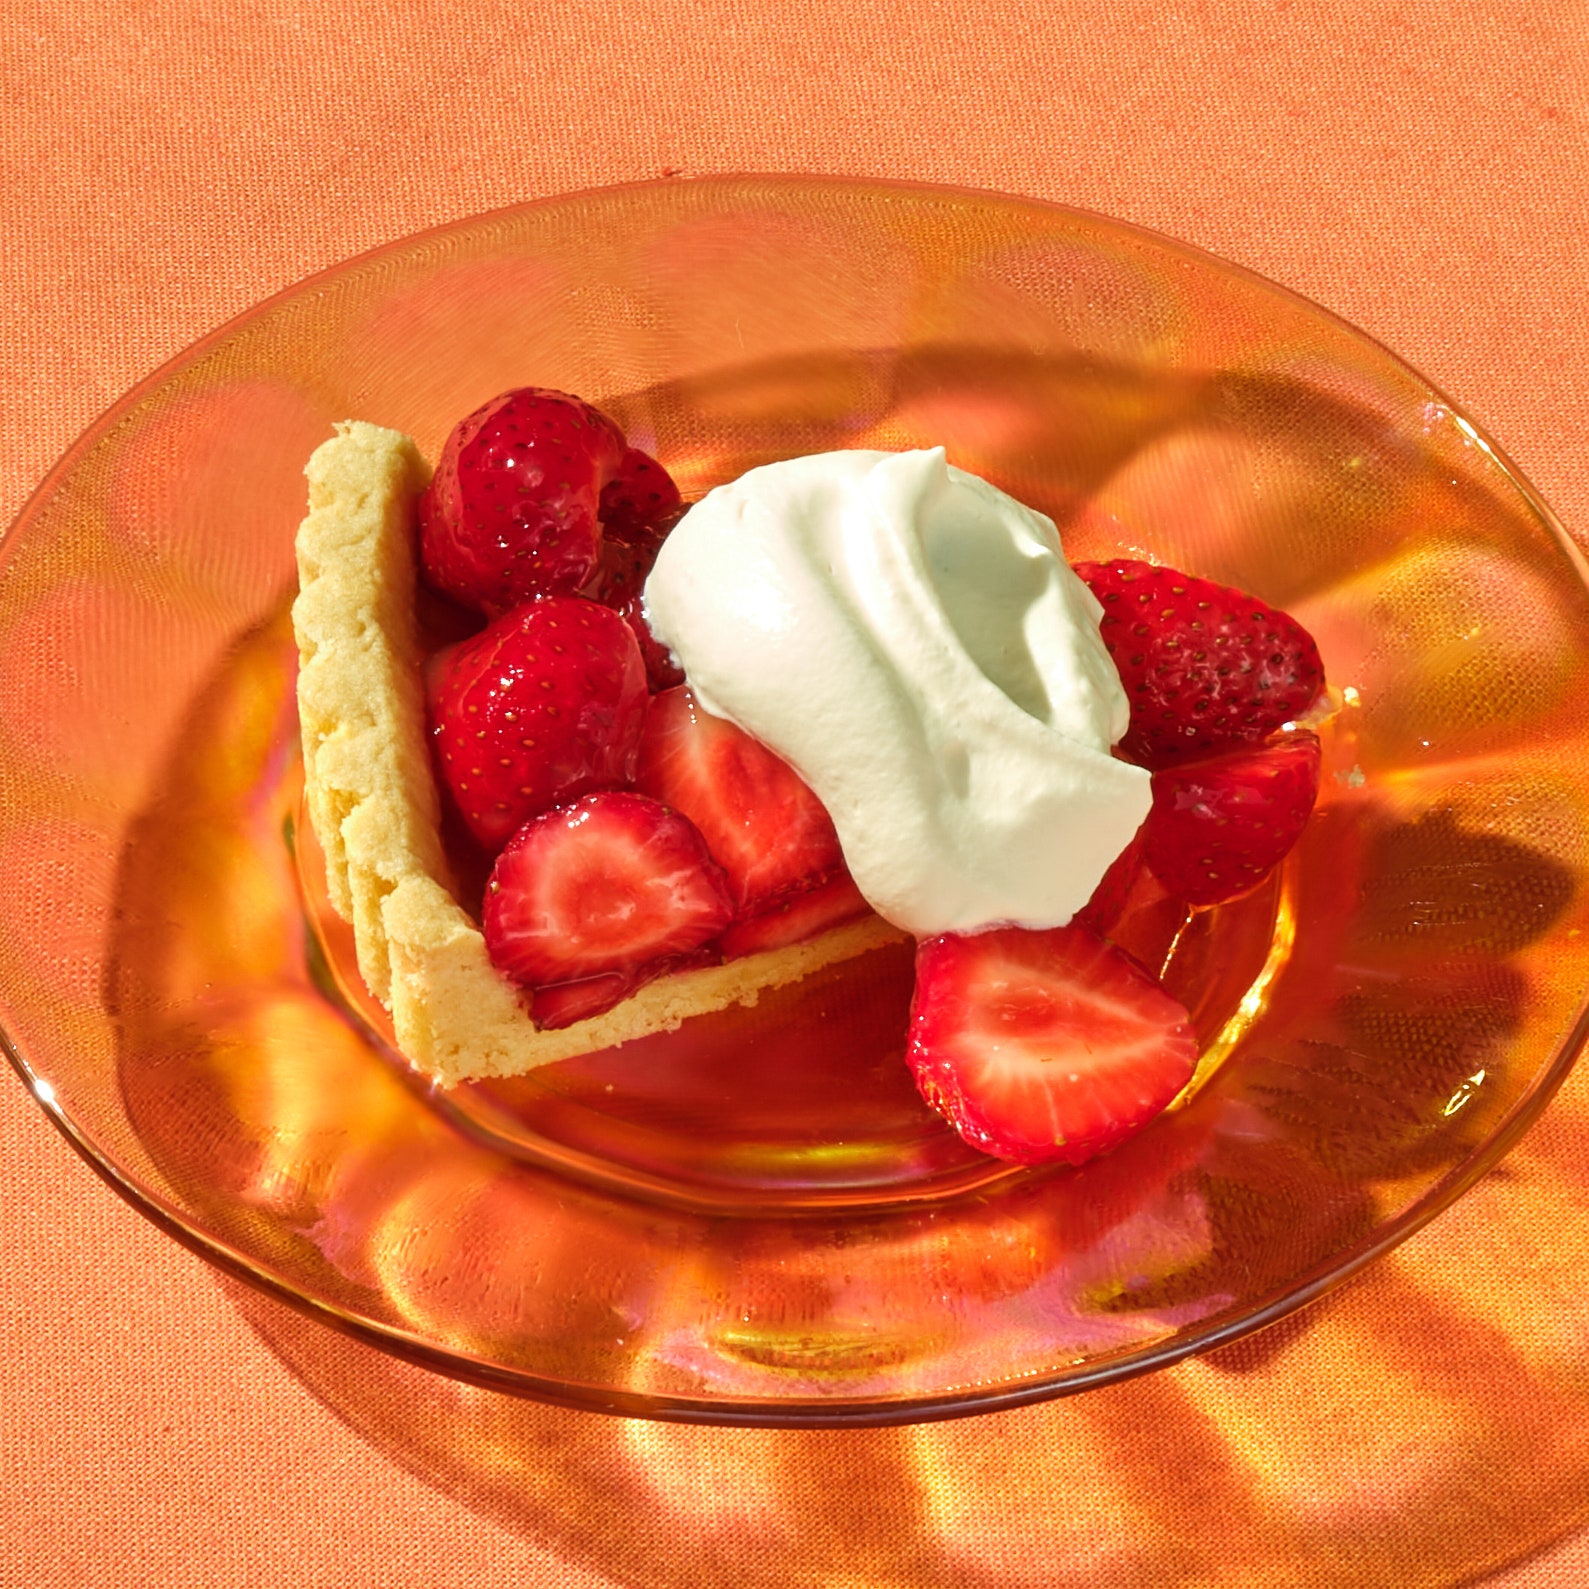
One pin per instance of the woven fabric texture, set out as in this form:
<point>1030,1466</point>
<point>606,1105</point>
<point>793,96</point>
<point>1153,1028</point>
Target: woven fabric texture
<point>1420,169</point>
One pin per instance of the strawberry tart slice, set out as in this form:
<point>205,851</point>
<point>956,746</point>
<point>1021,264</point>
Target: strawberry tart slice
<point>379,809</point>
<point>585,766</point>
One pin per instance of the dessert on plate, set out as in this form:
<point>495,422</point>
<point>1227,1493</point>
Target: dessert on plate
<point>585,763</point>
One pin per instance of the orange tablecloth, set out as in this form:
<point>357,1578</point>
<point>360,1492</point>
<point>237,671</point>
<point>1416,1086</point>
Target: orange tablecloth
<point>1421,169</point>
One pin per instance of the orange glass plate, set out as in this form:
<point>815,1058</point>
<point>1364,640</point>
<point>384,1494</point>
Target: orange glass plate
<point>755,1219</point>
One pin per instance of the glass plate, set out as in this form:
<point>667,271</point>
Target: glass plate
<point>755,1219</point>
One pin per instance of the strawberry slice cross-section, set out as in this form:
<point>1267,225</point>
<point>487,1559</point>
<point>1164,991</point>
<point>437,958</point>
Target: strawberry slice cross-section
<point>1044,1047</point>
<point>608,890</point>
<point>763,825</point>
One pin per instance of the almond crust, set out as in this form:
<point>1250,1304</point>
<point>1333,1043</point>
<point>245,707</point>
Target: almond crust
<point>373,801</point>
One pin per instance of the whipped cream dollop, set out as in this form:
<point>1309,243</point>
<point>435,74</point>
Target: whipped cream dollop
<point>912,642</point>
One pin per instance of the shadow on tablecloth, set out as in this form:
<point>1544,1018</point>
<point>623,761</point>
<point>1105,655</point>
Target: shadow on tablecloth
<point>1425,1426</point>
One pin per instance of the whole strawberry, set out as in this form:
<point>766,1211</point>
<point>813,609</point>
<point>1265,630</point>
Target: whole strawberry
<point>619,583</point>
<point>1217,828</point>
<point>1205,667</point>
<point>662,671</point>
<point>640,504</point>
<point>546,702</point>
<point>513,511</point>
<point>638,508</point>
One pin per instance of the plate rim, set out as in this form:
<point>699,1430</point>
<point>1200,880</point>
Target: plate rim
<point>805,1411</point>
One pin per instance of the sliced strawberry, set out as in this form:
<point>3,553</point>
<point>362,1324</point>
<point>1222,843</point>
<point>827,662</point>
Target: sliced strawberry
<point>640,504</point>
<point>546,702</point>
<point>1149,923</point>
<point>563,1003</point>
<point>1113,893</point>
<point>763,826</point>
<point>512,511</point>
<point>1206,668</point>
<point>1043,1047</point>
<point>610,885</point>
<point>1219,827</point>
<point>567,1002</point>
<point>799,918</point>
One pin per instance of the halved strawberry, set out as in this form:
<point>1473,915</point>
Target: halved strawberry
<point>763,826</point>
<point>1205,667</point>
<point>564,1003</point>
<point>640,504</point>
<point>612,886</point>
<point>798,918</point>
<point>512,511</point>
<point>1043,1047</point>
<point>546,702</point>
<point>1217,828</point>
